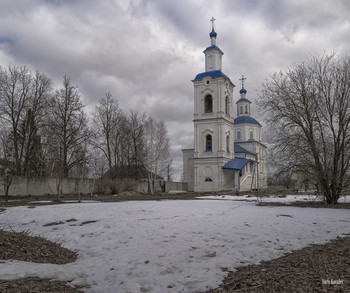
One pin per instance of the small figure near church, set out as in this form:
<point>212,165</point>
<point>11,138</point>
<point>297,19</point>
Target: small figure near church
<point>228,153</point>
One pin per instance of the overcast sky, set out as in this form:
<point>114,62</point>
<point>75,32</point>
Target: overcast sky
<point>146,52</point>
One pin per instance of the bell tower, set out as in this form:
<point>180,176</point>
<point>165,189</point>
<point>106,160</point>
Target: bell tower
<point>213,54</point>
<point>213,121</point>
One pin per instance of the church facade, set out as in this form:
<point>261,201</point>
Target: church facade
<point>228,153</point>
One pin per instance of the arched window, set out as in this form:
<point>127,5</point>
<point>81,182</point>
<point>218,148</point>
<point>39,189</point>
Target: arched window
<point>238,135</point>
<point>228,143</point>
<point>246,109</point>
<point>208,104</point>
<point>208,179</point>
<point>208,143</point>
<point>251,135</point>
<point>241,110</point>
<point>226,105</point>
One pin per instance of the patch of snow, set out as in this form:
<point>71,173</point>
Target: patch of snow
<point>167,246</point>
<point>344,199</point>
<point>82,201</point>
<point>286,199</point>
<point>41,201</point>
<point>176,191</point>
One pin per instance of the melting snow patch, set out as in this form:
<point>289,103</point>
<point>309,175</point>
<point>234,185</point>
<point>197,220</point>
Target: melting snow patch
<point>178,246</point>
<point>286,199</point>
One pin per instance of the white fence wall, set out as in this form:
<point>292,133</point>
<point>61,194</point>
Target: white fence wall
<point>180,186</point>
<point>50,185</point>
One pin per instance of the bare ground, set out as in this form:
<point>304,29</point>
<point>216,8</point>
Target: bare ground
<point>21,246</point>
<point>305,270</point>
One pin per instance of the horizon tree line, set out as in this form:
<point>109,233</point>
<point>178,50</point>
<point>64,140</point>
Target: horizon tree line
<point>46,132</point>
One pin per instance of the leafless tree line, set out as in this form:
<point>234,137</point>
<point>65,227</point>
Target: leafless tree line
<point>130,142</point>
<point>308,108</point>
<point>46,132</point>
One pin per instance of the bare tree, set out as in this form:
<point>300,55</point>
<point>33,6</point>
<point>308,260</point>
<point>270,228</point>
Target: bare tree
<point>68,128</point>
<point>14,96</point>
<point>157,158</point>
<point>7,167</point>
<point>309,108</point>
<point>108,120</point>
<point>98,164</point>
<point>23,101</point>
<point>281,171</point>
<point>34,125</point>
<point>134,139</point>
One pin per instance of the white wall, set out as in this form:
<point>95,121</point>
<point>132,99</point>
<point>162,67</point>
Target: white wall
<point>22,186</point>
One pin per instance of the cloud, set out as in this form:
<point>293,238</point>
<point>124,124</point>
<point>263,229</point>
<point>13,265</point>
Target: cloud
<point>147,52</point>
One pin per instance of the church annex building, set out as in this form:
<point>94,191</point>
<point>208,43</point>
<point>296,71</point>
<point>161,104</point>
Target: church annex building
<point>228,153</point>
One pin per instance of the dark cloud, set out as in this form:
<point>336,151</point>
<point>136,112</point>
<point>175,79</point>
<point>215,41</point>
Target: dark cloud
<point>147,52</point>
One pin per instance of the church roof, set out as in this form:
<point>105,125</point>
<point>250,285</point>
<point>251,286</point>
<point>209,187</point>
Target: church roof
<point>212,48</point>
<point>243,100</point>
<point>239,149</point>
<point>245,119</point>
<point>243,90</point>
<point>236,164</point>
<point>213,74</point>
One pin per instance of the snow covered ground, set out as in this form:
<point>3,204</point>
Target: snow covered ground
<point>287,199</point>
<point>166,246</point>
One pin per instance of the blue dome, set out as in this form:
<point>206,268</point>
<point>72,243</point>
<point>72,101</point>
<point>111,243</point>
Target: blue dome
<point>245,119</point>
<point>243,90</point>
<point>213,34</point>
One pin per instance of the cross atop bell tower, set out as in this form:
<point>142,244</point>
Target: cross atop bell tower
<point>243,104</point>
<point>242,79</point>
<point>213,33</point>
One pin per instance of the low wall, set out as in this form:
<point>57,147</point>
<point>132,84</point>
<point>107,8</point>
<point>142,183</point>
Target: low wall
<point>169,186</point>
<point>51,185</point>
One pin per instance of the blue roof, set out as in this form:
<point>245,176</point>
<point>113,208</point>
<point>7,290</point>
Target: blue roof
<point>212,48</point>
<point>239,149</point>
<point>213,33</point>
<point>243,100</point>
<point>213,74</point>
<point>245,119</point>
<point>236,164</point>
<point>243,90</point>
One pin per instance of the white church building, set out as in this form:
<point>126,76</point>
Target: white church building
<point>228,153</point>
